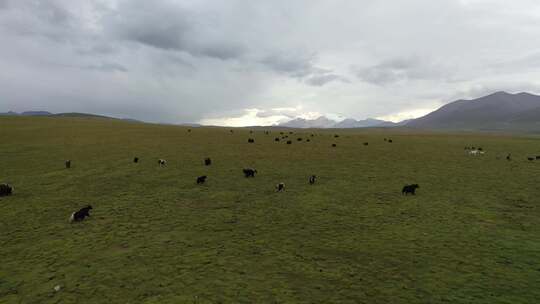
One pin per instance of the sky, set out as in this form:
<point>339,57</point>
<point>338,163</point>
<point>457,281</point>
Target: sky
<point>251,62</point>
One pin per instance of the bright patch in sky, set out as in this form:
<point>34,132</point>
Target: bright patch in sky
<point>401,116</point>
<point>249,118</point>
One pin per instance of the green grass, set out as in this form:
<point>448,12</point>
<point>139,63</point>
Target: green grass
<point>470,235</point>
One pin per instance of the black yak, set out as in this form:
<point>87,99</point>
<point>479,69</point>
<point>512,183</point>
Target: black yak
<point>289,142</point>
<point>276,139</point>
<point>280,187</point>
<point>366,144</point>
<point>312,179</point>
<point>81,214</point>
<point>508,157</point>
<point>251,140</point>
<point>162,162</point>
<point>410,189</point>
<point>201,179</point>
<point>530,158</point>
<point>135,159</point>
<point>249,172</point>
<point>68,164</point>
<point>334,145</point>
<point>6,190</point>
<point>207,161</point>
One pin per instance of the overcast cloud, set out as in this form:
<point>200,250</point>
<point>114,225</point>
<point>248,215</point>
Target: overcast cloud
<point>260,62</point>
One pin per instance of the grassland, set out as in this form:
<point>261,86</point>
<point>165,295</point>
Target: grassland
<point>470,235</point>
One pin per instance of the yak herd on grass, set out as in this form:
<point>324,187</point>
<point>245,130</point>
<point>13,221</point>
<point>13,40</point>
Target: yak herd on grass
<point>81,214</point>
<point>7,190</point>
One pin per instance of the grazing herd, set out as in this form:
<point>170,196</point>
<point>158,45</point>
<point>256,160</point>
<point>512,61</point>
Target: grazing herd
<point>478,151</point>
<point>80,215</point>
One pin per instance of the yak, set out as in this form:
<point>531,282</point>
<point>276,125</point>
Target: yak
<point>81,214</point>
<point>249,172</point>
<point>410,189</point>
<point>6,190</point>
<point>201,179</point>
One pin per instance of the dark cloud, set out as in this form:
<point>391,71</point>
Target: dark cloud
<point>169,26</point>
<point>320,80</point>
<point>402,69</point>
<point>38,18</point>
<point>301,66</point>
<point>295,65</point>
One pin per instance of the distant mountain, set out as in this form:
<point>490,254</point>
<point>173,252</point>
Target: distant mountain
<point>27,113</point>
<point>498,111</point>
<point>300,123</point>
<point>366,123</point>
<point>81,115</point>
<point>326,123</point>
<point>10,113</point>
<point>188,124</point>
<point>74,115</point>
<point>35,113</point>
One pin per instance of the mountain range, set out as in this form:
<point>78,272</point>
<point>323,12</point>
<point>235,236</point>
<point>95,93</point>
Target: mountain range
<point>349,123</point>
<point>499,111</point>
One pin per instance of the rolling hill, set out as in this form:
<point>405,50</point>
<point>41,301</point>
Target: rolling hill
<point>68,115</point>
<point>498,111</point>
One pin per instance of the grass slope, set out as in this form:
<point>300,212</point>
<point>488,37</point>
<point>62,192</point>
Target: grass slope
<point>471,235</point>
